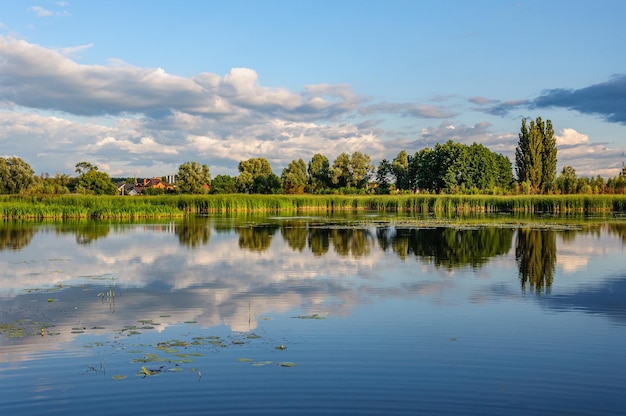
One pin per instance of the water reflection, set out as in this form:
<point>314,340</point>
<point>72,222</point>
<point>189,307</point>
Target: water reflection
<point>535,252</point>
<point>16,235</point>
<point>193,232</point>
<point>448,247</point>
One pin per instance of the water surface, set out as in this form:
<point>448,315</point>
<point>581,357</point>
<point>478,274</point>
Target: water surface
<point>307,315</point>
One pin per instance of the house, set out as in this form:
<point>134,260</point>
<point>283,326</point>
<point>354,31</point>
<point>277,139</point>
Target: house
<point>126,189</point>
<point>153,183</point>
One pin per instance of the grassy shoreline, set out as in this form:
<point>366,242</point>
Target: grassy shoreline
<point>117,207</point>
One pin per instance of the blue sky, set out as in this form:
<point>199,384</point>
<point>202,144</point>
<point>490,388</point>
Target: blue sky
<point>140,87</point>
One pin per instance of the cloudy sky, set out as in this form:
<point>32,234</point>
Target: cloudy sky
<point>140,87</point>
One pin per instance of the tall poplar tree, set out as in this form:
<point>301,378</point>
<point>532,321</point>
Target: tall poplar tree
<point>535,155</point>
<point>548,179</point>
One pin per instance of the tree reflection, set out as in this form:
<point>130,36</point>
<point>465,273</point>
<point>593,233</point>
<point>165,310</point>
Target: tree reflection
<point>295,234</point>
<point>86,231</point>
<point>193,232</point>
<point>449,247</point>
<point>256,238</point>
<point>319,240</point>
<point>15,236</point>
<point>348,241</point>
<point>535,252</point>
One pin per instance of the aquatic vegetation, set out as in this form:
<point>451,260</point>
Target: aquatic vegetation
<point>171,206</point>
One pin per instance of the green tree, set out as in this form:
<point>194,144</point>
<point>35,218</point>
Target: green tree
<point>95,183</point>
<point>535,156</point>
<point>319,173</point>
<point>383,177</point>
<point>223,184</point>
<point>294,177</point>
<point>566,182</point>
<point>352,171</point>
<point>249,171</point>
<point>16,175</point>
<point>57,185</point>
<point>548,156</point>
<point>400,169</point>
<point>192,178</point>
<point>84,167</point>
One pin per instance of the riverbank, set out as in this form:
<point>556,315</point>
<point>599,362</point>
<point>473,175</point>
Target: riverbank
<point>101,207</point>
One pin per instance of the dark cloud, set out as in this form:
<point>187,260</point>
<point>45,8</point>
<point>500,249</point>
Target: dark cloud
<point>503,108</point>
<point>607,99</point>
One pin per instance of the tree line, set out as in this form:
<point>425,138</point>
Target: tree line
<point>445,168</point>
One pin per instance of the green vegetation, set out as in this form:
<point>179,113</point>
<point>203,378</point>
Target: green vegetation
<point>117,207</point>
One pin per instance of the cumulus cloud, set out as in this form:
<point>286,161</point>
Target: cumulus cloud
<point>35,77</point>
<point>56,112</point>
<point>570,137</point>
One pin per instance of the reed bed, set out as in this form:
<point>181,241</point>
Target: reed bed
<point>120,207</point>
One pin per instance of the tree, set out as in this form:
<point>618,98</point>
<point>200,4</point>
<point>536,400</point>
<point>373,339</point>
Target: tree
<point>92,182</point>
<point>16,175</point>
<point>249,171</point>
<point>193,178</point>
<point>84,167</point>
<point>351,171</point>
<point>566,182</point>
<point>57,185</point>
<point>319,173</point>
<point>535,155</point>
<point>223,184</point>
<point>400,169</point>
<point>294,177</point>
<point>548,157</point>
<point>383,175</point>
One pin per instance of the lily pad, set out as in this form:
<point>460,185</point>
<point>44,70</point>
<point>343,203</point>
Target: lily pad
<point>287,364</point>
<point>119,377</point>
<point>245,360</point>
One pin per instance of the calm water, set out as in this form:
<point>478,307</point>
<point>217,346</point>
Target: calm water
<point>313,315</point>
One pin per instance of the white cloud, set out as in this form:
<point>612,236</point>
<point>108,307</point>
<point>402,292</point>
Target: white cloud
<point>40,11</point>
<point>570,136</point>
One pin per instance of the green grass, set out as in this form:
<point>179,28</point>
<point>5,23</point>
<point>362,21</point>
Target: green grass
<point>121,207</point>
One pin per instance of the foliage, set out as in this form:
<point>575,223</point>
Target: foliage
<point>458,168</point>
<point>383,177</point>
<point>249,173</point>
<point>351,171</point>
<point>294,177</point>
<point>93,182</point>
<point>224,184</point>
<point>400,170</point>
<point>91,206</point>
<point>16,175</point>
<point>192,178</point>
<point>319,174</point>
<point>57,185</point>
<point>536,155</point>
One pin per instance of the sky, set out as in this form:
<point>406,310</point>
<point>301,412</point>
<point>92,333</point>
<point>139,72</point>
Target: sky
<point>139,87</point>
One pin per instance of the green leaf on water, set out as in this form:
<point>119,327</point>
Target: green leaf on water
<point>119,377</point>
<point>314,316</point>
<point>287,364</point>
<point>244,360</point>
